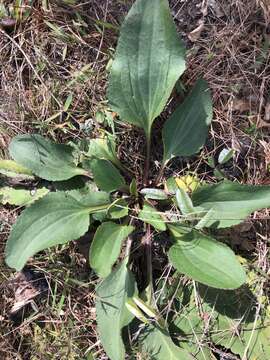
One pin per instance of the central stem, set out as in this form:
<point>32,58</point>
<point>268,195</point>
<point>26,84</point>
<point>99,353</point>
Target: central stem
<point>147,159</point>
<point>147,242</point>
<point>160,174</point>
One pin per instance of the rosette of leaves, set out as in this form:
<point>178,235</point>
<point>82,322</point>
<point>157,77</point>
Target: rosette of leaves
<point>149,60</point>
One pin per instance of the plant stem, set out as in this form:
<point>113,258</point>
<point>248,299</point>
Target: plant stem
<point>160,173</point>
<point>147,159</point>
<point>129,241</point>
<point>147,241</point>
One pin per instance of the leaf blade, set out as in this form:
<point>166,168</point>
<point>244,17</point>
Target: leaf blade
<point>112,314</point>
<point>205,260</point>
<point>179,136</point>
<point>106,246</point>
<point>21,197</point>
<point>54,219</point>
<point>230,203</point>
<point>151,216</point>
<point>44,158</point>
<point>106,176</point>
<point>159,345</point>
<point>149,60</point>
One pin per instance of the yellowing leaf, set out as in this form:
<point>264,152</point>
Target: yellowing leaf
<point>188,183</point>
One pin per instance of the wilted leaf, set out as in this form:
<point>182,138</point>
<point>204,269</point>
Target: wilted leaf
<point>44,158</point>
<point>112,313</point>
<point>106,246</point>
<point>195,34</point>
<point>205,260</point>
<point>185,132</point>
<point>149,59</point>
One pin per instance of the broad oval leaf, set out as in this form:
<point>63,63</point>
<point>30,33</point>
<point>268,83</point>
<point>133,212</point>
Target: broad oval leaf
<point>205,260</point>
<point>55,219</point>
<point>106,246</point>
<point>151,216</point>
<point>157,343</point>
<point>149,59</point>
<point>229,203</point>
<point>185,131</point>
<point>112,313</point>
<point>44,158</point>
<point>106,176</point>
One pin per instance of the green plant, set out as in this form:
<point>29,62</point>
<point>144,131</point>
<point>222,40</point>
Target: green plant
<point>89,190</point>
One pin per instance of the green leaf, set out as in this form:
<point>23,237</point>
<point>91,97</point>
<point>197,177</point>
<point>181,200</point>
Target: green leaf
<point>155,194</point>
<point>133,188</point>
<point>158,344</point>
<point>205,260</point>
<point>112,314</point>
<point>106,246</point>
<point>185,131</point>
<point>54,219</point>
<point>228,312</point>
<point>171,185</point>
<point>230,203</point>
<point>254,337</point>
<point>44,158</point>
<point>106,176</point>
<point>118,209</point>
<point>149,59</point>
<point>225,155</point>
<point>191,324</point>
<point>21,197</point>
<point>12,166</point>
<point>104,148</point>
<point>151,216</point>
<point>236,326</point>
<point>11,169</point>
<point>68,102</point>
<point>184,202</point>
